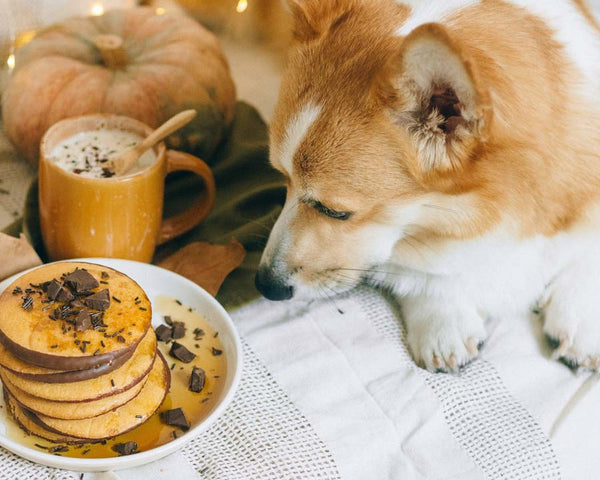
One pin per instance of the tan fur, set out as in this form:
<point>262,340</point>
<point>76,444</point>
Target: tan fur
<point>531,162</point>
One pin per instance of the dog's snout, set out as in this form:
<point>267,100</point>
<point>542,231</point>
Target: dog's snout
<point>272,286</point>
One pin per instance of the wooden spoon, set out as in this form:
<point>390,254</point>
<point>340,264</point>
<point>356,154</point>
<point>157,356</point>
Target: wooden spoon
<point>122,163</point>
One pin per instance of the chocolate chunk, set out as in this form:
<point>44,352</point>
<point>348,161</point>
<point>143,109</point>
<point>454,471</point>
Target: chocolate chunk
<point>99,300</point>
<point>44,286</point>
<point>216,352</point>
<point>64,295</point>
<point>181,353</point>
<point>163,333</point>
<point>83,321</point>
<point>126,448</point>
<point>175,418</point>
<point>81,281</point>
<point>197,379</point>
<point>53,288</point>
<point>168,320</point>
<point>178,330</point>
<point>77,304</point>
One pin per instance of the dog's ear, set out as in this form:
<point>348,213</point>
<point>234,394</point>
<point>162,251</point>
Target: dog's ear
<point>442,102</point>
<point>313,18</point>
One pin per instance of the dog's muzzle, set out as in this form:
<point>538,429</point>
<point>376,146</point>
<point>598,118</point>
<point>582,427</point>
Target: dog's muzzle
<point>273,286</point>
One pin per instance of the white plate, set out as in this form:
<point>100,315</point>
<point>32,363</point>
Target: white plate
<point>155,281</point>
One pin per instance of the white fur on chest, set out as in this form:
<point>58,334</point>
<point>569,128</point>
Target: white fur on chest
<point>499,274</point>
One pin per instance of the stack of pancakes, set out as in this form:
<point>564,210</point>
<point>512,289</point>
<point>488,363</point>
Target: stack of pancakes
<point>78,356</point>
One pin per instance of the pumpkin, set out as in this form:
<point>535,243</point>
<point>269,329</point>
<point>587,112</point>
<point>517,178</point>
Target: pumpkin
<point>129,62</point>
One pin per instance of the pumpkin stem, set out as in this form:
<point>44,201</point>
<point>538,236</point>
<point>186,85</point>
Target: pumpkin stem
<point>112,51</point>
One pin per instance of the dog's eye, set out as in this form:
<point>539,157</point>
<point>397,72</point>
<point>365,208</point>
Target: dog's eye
<point>319,207</point>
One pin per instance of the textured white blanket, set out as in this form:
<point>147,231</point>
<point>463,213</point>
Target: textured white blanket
<point>512,414</point>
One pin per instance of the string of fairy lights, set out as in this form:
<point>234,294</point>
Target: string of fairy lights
<point>97,9</point>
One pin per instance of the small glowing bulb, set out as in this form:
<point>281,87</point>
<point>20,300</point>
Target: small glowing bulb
<point>160,11</point>
<point>241,6</point>
<point>97,9</point>
<point>11,61</point>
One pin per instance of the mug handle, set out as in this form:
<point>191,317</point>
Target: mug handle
<point>198,211</point>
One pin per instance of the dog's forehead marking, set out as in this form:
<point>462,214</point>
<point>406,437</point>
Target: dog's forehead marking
<point>295,133</point>
<point>428,11</point>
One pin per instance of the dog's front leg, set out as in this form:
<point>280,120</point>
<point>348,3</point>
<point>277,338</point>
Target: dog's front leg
<point>444,330</point>
<point>571,307</point>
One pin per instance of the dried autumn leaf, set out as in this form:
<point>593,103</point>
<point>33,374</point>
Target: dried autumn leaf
<point>16,255</point>
<point>206,264</point>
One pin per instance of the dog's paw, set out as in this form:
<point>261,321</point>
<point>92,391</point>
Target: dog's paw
<point>441,336</point>
<point>571,309</point>
<point>572,326</point>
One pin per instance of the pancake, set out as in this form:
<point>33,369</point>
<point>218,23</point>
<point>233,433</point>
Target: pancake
<point>119,380</point>
<point>72,410</point>
<point>35,329</point>
<point>122,419</point>
<point>28,422</point>
<point>40,374</point>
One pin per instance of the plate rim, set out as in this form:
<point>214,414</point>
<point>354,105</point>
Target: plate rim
<point>118,463</point>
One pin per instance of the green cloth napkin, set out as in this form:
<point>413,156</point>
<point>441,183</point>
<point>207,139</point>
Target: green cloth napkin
<point>250,195</point>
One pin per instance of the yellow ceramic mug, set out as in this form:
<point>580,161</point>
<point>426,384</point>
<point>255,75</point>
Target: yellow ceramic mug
<point>118,217</point>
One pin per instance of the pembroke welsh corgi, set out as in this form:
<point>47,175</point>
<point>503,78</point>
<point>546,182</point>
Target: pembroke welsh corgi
<point>450,152</point>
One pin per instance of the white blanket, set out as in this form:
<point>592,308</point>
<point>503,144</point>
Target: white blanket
<point>512,414</point>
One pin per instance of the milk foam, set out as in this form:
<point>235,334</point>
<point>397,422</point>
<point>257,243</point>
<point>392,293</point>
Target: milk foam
<point>88,153</point>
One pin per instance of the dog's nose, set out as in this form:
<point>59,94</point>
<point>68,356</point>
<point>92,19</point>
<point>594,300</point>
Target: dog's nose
<point>272,286</point>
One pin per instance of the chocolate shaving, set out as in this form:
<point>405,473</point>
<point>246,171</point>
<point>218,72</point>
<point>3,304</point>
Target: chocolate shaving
<point>163,333</point>
<point>178,330</point>
<point>83,321</point>
<point>104,275</point>
<point>168,320</point>
<point>121,339</point>
<point>27,304</point>
<point>59,448</point>
<point>198,334</point>
<point>126,448</point>
<point>197,380</point>
<point>80,281</point>
<point>216,352</point>
<point>181,353</point>
<point>175,418</point>
<point>99,300</point>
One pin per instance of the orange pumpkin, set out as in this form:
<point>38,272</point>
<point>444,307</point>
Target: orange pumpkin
<point>129,62</point>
